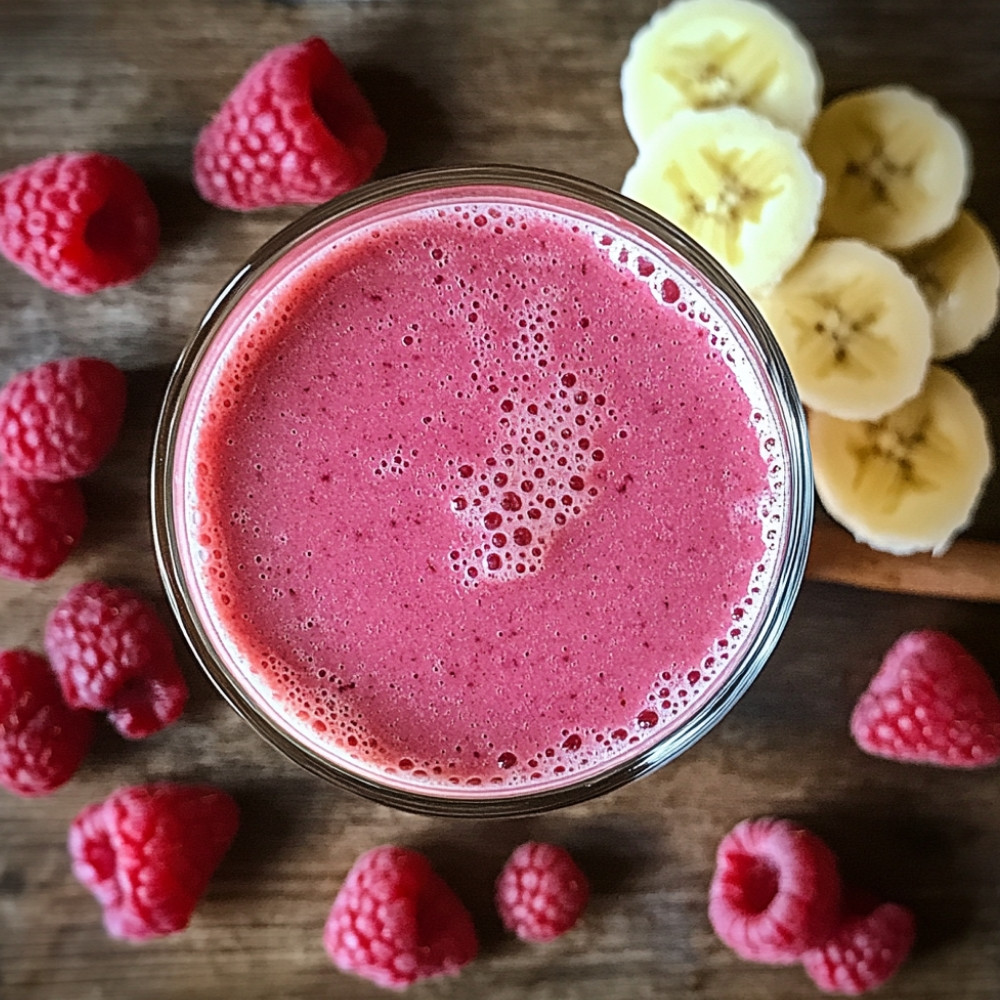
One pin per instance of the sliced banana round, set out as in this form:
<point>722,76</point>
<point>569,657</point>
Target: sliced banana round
<point>897,167</point>
<point>910,481</point>
<point>959,275</point>
<point>704,54</point>
<point>854,328</point>
<point>743,188</point>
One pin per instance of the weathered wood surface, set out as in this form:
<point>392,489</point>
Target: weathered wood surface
<point>457,81</point>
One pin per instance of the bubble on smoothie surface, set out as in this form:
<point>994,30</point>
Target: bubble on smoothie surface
<point>538,482</point>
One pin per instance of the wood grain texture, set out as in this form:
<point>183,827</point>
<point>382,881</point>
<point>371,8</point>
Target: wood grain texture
<point>968,571</point>
<point>458,81</point>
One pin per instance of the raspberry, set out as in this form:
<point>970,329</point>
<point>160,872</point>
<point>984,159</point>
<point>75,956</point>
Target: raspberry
<point>59,420</point>
<point>541,892</point>
<point>111,651</point>
<point>39,525</point>
<point>42,739</point>
<point>395,921</point>
<point>929,703</point>
<point>866,949</point>
<point>775,892</point>
<point>78,222</point>
<point>295,130</point>
<point>148,852</point>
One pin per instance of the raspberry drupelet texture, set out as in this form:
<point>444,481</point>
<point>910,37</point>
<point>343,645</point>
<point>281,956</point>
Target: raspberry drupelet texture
<point>148,852</point>
<point>78,222</point>
<point>775,892</point>
<point>395,922</point>
<point>870,943</point>
<point>40,523</point>
<point>296,130</point>
<point>930,703</point>
<point>42,739</point>
<point>541,892</point>
<point>58,421</point>
<point>111,652</point>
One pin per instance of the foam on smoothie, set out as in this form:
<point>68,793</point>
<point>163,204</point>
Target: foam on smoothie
<point>483,496</point>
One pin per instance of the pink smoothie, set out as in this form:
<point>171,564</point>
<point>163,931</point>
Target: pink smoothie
<point>481,497</point>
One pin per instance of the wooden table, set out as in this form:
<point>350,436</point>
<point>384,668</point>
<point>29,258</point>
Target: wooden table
<point>457,81</point>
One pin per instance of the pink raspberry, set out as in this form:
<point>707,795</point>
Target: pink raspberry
<point>870,943</point>
<point>296,130</point>
<point>78,222</point>
<point>111,652</point>
<point>929,703</point>
<point>395,921</point>
<point>775,892</point>
<point>42,739</point>
<point>541,892</point>
<point>59,420</point>
<point>148,852</point>
<point>40,523</point>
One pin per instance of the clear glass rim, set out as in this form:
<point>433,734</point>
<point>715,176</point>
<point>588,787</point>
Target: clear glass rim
<point>788,575</point>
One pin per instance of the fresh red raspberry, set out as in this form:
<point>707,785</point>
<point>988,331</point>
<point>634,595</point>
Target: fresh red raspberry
<point>39,525</point>
<point>42,739</point>
<point>59,420</point>
<point>541,892</point>
<point>111,652</point>
<point>870,943</point>
<point>929,703</point>
<point>78,222</point>
<point>775,892</point>
<point>395,921</point>
<point>296,130</point>
<point>148,852</point>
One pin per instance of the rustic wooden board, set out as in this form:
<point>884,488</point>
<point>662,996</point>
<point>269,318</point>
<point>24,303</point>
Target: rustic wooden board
<point>967,571</point>
<point>458,81</point>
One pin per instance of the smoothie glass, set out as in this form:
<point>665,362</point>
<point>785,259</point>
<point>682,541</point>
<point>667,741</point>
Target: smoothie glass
<point>696,276</point>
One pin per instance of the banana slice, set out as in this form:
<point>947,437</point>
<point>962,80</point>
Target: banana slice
<point>897,168</point>
<point>853,327</point>
<point>959,274</point>
<point>703,54</point>
<point>742,187</point>
<point>910,481</point>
